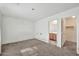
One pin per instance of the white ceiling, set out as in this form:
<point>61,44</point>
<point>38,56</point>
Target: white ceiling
<point>42,10</point>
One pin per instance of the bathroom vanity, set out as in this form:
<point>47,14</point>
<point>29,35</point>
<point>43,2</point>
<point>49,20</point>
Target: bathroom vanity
<point>53,36</point>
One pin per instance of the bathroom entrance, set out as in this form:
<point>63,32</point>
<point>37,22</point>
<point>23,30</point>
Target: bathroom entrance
<point>53,32</point>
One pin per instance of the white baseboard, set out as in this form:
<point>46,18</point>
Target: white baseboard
<point>46,41</point>
<point>15,41</point>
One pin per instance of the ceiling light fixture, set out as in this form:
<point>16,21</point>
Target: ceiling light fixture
<point>55,22</point>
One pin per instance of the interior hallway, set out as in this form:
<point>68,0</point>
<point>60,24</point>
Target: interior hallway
<point>37,48</point>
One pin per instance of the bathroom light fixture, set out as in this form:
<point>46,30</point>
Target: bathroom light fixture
<point>55,22</point>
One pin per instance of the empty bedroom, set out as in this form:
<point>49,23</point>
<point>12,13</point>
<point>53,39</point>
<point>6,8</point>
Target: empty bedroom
<point>35,29</point>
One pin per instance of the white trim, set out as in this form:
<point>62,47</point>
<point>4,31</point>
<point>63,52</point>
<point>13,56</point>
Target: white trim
<point>77,29</point>
<point>78,51</point>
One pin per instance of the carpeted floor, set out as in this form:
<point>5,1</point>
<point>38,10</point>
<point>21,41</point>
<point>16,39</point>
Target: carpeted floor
<point>35,47</point>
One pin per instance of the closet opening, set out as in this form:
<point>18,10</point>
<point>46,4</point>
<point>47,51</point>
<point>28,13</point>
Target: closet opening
<point>68,33</point>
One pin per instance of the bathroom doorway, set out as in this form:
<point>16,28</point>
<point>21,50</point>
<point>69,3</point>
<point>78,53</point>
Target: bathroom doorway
<point>53,32</point>
<point>68,33</point>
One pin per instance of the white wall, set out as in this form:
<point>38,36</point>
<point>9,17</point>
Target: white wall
<point>0,31</point>
<point>70,21</point>
<point>0,27</point>
<point>42,25</point>
<point>14,29</point>
<point>41,30</point>
<point>77,23</point>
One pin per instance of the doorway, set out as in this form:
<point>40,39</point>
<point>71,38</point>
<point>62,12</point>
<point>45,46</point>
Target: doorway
<point>53,32</point>
<point>68,33</point>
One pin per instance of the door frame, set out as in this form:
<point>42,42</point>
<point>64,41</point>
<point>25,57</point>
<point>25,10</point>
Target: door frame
<point>62,31</point>
<point>49,29</point>
<point>75,29</point>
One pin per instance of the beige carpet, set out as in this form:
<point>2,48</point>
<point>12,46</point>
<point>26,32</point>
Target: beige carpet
<point>35,47</point>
